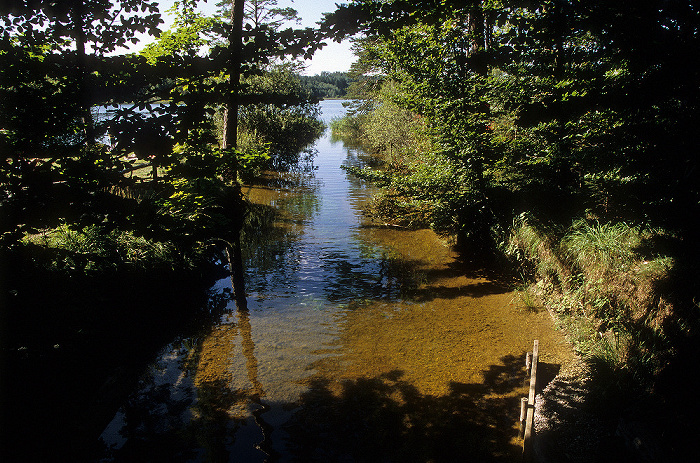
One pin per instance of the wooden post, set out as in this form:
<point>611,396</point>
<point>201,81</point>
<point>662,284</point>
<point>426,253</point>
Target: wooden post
<point>527,438</point>
<point>528,362</point>
<point>523,415</point>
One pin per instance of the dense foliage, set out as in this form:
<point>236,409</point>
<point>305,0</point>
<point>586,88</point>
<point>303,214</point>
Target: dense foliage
<point>76,118</point>
<point>328,84</point>
<point>568,108</point>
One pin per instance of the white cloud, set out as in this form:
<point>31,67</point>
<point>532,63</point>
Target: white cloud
<point>333,57</point>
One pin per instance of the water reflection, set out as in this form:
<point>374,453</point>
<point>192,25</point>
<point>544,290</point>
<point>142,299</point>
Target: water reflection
<point>191,401</point>
<point>298,247</point>
<point>257,392</point>
<point>361,343</point>
<point>224,401</point>
<point>249,353</point>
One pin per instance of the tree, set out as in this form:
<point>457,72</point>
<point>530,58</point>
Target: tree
<point>239,51</point>
<point>54,62</point>
<point>230,142</point>
<point>281,115</point>
<point>548,99</point>
<point>265,13</point>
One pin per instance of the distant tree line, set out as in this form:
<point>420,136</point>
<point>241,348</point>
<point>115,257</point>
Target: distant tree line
<point>328,84</point>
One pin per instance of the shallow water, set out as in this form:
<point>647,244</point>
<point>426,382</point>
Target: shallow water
<point>361,343</point>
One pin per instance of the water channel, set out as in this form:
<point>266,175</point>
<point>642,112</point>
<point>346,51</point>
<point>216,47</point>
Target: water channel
<point>362,343</point>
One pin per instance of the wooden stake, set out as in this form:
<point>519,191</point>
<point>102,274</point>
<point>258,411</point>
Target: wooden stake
<point>523,414</point>
<point>527,438</point>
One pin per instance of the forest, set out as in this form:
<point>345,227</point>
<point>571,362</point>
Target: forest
<point>556,139</point>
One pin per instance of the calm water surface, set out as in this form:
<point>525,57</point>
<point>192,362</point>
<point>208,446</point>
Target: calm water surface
<point>362,343</point>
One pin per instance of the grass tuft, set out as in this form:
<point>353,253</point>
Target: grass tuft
<point>603,283</point>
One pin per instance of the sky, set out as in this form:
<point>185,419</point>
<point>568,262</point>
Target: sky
<point>333,57</point>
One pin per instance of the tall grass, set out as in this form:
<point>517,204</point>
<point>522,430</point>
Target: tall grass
<point>602,288</point>
<point>91,249</point>
<point>597,248</point>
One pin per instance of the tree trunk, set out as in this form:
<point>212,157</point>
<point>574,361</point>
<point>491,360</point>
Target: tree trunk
<point>479,33</point>
<point>477,41</point>
<point>81,70</point>
<point>229,142</point>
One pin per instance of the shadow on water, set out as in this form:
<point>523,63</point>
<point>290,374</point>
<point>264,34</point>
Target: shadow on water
<point>199,415</point>
<point>390,276</point>
<point>384,278</point>
<point>72,357</point>
<point>386,418</point>
<point>379,419</point>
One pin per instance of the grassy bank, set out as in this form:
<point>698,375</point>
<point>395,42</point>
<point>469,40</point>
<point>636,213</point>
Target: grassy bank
<point>623,296</point>
<point>610,285</point>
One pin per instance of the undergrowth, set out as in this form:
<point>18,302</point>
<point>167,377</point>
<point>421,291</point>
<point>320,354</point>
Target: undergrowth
<point>604,284</point>
<point>92,250</point>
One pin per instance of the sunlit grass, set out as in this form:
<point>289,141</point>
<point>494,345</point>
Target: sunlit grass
<point>602,247</point>
<point>94,249</point>
<point>602,282</point>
